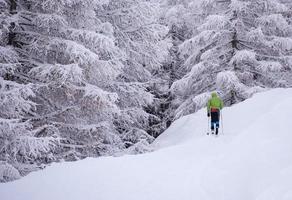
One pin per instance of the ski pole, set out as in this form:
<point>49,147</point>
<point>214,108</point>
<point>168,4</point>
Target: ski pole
<point>208,125</point>
<point>222,132</point>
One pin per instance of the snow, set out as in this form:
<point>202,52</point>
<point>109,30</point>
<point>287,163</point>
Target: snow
<point>250,160</point>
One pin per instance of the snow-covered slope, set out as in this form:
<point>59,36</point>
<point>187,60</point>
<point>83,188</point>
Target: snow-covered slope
<point>252,160</point>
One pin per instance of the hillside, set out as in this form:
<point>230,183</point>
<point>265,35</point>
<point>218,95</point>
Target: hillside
<point>251,160</point>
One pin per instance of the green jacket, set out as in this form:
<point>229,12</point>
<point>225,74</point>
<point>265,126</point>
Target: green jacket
<point>214,102</point>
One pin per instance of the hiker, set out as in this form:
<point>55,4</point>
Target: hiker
<point>215,104</point>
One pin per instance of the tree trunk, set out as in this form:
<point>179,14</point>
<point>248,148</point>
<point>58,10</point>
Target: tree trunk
<point>12,34</point>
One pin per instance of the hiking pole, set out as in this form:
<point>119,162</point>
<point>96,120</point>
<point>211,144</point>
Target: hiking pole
<point>222,132</point>
<point>208,129</point>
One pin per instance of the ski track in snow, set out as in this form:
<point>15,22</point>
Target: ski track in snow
<point>252,160</point>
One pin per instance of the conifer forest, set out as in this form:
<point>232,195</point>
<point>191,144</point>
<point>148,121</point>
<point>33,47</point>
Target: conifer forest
<point>91,78</point>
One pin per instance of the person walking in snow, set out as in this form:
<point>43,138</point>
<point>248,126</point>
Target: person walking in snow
<point>214,105</point>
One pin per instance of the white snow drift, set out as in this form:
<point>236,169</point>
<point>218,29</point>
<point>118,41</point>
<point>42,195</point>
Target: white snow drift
<point>252,160</point>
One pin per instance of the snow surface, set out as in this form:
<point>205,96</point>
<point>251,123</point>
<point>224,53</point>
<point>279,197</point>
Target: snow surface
<point>252,160</point>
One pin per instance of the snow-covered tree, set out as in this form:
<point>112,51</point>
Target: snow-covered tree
<point>183,18</point>
<point>96,77</point>
<point>142,38</point>
<point>139,34</point>
<point>73,59</point>
<point>90,72</point>
<point>241,48</point>
<point>19,143</point>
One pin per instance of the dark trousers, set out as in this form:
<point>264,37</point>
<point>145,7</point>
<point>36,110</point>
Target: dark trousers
<point>215,118</point>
